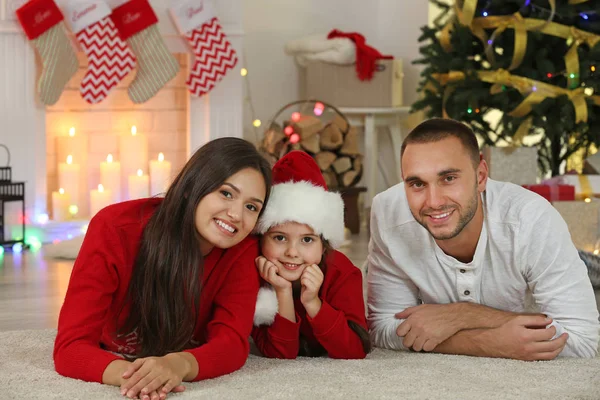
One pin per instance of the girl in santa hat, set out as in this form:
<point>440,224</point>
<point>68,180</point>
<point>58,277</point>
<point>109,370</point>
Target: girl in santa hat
<point>313,301</point>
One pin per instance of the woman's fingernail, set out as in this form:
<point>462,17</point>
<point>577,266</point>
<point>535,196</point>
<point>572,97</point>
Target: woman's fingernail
<point>123,391</point>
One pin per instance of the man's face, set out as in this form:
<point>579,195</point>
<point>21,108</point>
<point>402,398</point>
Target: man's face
<point>442,186</point>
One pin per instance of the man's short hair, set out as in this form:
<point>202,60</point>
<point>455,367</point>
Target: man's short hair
<point>436,129</point>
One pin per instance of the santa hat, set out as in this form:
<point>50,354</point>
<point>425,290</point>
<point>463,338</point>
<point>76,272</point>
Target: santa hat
<point>299,194</point>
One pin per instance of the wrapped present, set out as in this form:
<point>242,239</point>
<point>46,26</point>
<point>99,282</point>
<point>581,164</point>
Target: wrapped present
<point>591,164</point>
<point>586,186</point>
<point>554,193</point>
<point>582,218</point>
<point>518,165</point>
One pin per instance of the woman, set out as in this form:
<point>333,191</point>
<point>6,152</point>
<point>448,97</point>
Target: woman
<point>169,282</point>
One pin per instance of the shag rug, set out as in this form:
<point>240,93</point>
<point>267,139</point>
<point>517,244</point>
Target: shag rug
<point>27,372</point>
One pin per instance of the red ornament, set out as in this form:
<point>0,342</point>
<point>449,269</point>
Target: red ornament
<point>295,138</point>
<point>288,130</point>
<point>296,116</point>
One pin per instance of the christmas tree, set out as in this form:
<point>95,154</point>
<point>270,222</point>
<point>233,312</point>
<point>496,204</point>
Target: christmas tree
<point>535,61</point>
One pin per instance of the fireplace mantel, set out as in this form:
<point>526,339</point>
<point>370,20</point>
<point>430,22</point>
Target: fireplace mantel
<point>22,116</point>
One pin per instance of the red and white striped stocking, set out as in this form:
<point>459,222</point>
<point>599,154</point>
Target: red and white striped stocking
<point>109,57</point>
<point>214,55</point>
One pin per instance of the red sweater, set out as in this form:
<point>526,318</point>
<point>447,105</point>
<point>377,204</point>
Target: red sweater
<point>99,283</point>
<point>342,296</point>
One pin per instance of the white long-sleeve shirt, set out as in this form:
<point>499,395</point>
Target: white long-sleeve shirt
<point>524,245</point>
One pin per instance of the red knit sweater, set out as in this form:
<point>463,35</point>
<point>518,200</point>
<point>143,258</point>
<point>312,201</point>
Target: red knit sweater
<point>99,283</point>
<point>342,296</point>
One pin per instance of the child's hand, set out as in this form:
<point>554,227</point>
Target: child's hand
<point>269,272</point>
<point>311,280</point>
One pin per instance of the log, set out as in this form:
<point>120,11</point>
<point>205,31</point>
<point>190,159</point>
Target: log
<point>330,179</point>
<point>331,137</point>
<point>341,123</point>
<point>324,159</point>
<point>350,147</point>
<point>272,137</point>
<point>348,177</point>
<point>357,163</point>
<point>307,126</point>
<point>311,144</point>
<point>342,164</point>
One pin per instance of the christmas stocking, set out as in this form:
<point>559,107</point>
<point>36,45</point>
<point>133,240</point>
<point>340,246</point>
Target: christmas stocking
<point>214,55</point>
<point>137,23</point>
<point>109,57</point>
<point>41,21</point>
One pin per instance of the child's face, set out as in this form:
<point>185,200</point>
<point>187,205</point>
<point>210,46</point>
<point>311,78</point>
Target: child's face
<point>291,247</point>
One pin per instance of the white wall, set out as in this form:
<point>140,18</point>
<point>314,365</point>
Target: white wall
<point>391,26</point>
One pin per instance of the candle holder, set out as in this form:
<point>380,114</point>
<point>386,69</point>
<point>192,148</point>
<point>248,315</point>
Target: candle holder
<point>10,191</point>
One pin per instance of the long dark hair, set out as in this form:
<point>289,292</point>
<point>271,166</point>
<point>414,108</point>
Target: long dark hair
<point>164,292</point>
<point>308,350</point>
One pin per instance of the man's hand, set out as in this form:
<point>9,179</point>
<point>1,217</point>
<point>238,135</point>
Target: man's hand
<point>427,325</point>
<point>527,338</point>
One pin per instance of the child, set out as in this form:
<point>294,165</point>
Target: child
<point>314,304</point>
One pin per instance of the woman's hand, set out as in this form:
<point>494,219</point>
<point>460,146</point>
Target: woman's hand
<point>311,280</point>
<point>269,272</point>
<point>149,377</point>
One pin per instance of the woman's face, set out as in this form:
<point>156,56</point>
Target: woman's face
<point>226,216</point>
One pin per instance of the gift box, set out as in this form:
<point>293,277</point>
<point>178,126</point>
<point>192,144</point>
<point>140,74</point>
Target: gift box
<point>586,186</point>
<point>591,165</point>
<point>582,218</point>
<point>512,164</point>
<point>338,84</point>
<point>554,193</point>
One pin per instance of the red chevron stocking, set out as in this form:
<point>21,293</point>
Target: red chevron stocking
<point>109,57</point>
<point>214,55</point>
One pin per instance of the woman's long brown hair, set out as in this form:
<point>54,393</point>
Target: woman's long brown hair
<point>164,292</point>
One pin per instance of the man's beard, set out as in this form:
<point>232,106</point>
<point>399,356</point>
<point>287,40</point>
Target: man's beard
<point>463,221</point>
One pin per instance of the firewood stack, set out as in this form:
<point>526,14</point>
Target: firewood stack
<point>334,146</point>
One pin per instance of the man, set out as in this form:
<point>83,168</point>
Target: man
<point>471,249</point>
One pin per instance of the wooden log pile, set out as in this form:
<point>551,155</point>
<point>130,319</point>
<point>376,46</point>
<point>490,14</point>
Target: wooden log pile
<point>334,146</point>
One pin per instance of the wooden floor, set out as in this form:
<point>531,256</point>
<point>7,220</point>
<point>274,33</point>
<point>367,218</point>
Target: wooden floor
<point>32,288</point>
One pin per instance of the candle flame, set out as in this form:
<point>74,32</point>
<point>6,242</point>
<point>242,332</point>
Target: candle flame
<point>72,132</point>
<point>161,157</point>
<point>133,130</point>
<point>69,159</point>
<point>140,172</point>
<point>100,188</point>
<point>61,191</point>
<point>109,158</point>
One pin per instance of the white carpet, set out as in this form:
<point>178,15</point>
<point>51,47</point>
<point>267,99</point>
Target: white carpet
<point>27,372</point>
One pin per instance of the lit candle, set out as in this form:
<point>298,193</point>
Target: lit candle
<point>99,199</point>
<point>75,143</point>
<point>160,175</point>
<point>60,205</point>
<point>133,154</point>
<point>138,185</point>
<point>68,178</point>
<point>110,176</point>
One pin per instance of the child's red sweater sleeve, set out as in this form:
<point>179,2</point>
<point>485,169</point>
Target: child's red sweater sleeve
<point>280,339</point>
<point>227,348</point>
<point>94,281</point>
<point>330,325</point>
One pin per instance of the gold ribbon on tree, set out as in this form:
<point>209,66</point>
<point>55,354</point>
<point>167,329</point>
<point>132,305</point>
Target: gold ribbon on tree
<point>578,37</point>
<point>536,92</point>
